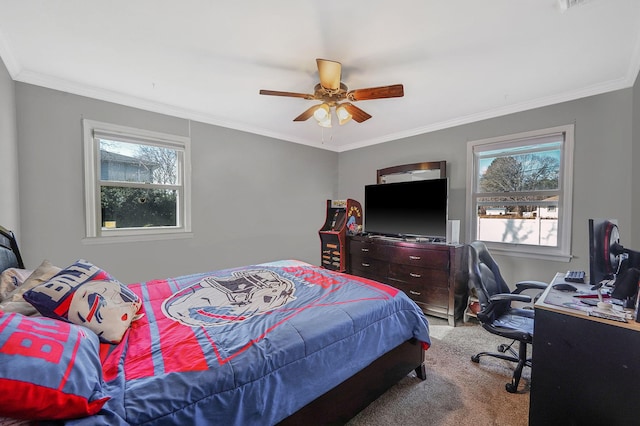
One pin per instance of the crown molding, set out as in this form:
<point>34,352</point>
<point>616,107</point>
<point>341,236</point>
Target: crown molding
<point>10,61</point>
<point>54,83</point>
<point>67,86</point>
<point>597,89</point>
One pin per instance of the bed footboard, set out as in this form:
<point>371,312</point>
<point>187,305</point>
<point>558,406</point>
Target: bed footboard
<point>343,402</point>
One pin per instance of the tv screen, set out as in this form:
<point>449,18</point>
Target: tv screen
<point>415,208</point>
<point>608,260</point>
<point>603,262</point>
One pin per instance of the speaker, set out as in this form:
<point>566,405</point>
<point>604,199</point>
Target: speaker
<point>626,286</point>
<point>453,231</point>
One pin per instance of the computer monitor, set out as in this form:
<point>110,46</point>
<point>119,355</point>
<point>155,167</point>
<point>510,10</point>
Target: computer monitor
<point>609,260</point>
<point>603,263</point>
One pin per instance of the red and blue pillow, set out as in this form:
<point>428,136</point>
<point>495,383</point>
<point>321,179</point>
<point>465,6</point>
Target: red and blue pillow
<point>49,369</point>
<point>86,295</point>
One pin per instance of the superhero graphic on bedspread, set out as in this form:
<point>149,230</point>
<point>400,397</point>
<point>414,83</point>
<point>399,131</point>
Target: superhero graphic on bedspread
<point>221,301</point>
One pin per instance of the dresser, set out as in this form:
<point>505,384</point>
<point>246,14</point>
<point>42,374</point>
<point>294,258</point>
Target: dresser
<point>432,274</point>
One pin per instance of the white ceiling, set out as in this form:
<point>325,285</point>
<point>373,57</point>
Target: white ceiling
<point>459,60</point>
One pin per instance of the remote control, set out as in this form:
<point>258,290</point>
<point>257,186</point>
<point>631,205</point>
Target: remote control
<point>574,276</point>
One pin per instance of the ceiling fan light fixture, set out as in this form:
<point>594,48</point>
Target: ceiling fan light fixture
<point>322,112</point>
<point>326,122</point>
<point>343,114</point>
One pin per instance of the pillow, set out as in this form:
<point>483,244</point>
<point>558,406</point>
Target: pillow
<point>6,421</point>
<point>14,302</point>
<point>49,369</point>
<point>10,279</point>
<point>22,307</point>
<point>86,295</point>
<point>42,274</point>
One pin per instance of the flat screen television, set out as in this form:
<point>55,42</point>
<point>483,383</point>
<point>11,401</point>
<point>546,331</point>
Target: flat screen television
<point>608,259</point>
<point>407,209</point>
<point>603,261</point>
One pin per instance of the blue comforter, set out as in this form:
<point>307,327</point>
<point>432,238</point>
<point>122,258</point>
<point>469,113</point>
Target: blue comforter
<point>249,346</point>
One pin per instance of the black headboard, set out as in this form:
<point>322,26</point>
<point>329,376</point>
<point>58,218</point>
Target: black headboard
<point>9,253</point>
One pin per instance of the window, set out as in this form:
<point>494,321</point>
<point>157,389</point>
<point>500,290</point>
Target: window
<point>520,193</point>
<point>136,182</point>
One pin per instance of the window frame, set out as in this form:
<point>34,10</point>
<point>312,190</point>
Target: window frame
<point>94,231</point>
<point>561,252</point>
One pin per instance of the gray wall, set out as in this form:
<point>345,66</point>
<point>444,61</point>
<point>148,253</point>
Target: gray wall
<point>9,211</point>
<point>252,202</point>
<point>254,199</point>
<point>602,175</point>
<point>635,171</point>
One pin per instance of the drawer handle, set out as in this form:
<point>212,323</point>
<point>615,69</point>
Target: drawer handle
<point>366,265</point>
<point>415,293</point>
<point>414,257</point>
<point>364,249</point>
<point>415,275</point>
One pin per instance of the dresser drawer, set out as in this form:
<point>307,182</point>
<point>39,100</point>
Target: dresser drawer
<point>434,259</point>
<point>368,267</point>
<point>435,297</point>
<point>418,275</point>
<point>371,250</point>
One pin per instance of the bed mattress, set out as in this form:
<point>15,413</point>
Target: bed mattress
<point>250,345</point>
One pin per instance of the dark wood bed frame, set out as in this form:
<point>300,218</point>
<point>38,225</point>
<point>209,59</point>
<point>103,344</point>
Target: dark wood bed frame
<point>343,402</point>
<point>338,405</point>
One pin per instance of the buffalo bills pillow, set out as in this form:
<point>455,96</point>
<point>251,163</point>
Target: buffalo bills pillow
<point>86,295</point>
<point>49,369</point>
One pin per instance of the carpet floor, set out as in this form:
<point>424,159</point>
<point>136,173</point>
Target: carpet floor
<point>457,391</point>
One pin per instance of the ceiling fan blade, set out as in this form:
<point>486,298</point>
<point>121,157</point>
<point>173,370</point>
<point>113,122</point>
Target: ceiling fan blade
<point>393,91</point>
<point>307,114</point>
<point>288,94</point>
<point>356,113</point>
<point>330,73</point>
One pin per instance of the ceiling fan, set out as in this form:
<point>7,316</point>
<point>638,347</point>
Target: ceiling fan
<point>335,94</point>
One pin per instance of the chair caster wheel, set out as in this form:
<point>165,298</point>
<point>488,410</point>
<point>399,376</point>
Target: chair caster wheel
<point>475,358</point>
<point>503,348</point>
<point>510,388</point>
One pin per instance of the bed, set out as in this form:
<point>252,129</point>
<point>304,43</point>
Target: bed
<point>283,342</point>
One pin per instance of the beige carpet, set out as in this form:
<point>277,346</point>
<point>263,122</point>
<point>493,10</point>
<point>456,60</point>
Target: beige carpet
<point>457,391</point>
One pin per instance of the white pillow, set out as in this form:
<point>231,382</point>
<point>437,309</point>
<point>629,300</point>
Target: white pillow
<point>10,279</point>
<point>6,421</point>
<point>14,302</point>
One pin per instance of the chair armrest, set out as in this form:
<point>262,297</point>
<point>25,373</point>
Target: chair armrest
<point>510,297</point>
<point>527,285</point>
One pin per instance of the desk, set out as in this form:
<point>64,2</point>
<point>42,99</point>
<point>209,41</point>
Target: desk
<point>585,370</point>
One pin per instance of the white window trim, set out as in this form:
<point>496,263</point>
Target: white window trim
<point>94,232</point>
<point>563,251</point>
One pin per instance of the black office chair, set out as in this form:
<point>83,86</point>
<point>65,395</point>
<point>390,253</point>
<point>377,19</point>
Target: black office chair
<point>9,252</point>
<point>496,314</point>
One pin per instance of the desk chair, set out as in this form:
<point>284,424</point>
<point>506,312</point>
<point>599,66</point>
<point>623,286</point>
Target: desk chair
<point>496,314</point>
<point>9,253</point>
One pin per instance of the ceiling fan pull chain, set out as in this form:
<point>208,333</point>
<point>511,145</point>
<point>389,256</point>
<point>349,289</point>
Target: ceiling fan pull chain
<point>330,134</point>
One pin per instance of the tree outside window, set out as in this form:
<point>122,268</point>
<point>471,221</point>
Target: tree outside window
<point>520,198</point>
<point>136,181</point>
<point>131,207</point>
